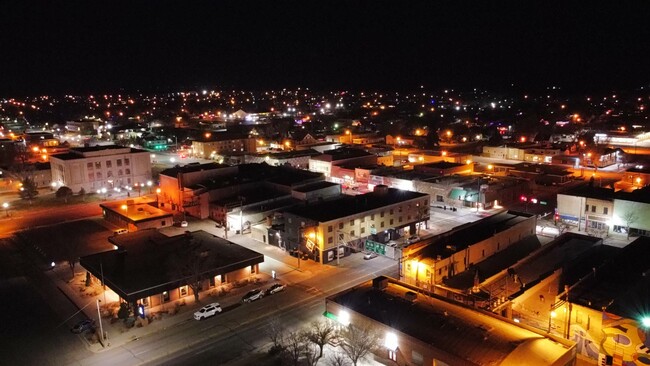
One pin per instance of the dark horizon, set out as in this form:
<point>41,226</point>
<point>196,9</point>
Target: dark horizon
<point>79,47</point>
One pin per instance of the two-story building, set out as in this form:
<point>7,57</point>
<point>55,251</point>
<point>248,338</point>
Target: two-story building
<point>96,167</point>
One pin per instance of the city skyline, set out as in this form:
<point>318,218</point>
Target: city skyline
<point>83,48</point>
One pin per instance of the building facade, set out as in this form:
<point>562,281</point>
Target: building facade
<point>97,167</point>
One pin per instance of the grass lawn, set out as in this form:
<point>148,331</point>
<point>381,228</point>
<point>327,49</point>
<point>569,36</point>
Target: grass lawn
<point>50,200</point>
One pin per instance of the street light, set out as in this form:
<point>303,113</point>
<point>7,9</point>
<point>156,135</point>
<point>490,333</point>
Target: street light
<point>6,207</point>
<point>157,193</point>
<point>99,316</point>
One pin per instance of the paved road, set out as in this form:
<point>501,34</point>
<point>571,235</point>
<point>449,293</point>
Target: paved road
<point>239,330</point>
<point>20,220</point>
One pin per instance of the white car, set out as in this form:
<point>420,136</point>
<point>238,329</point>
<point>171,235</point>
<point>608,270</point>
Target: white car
<point>184,224</point>
<point>208,311</point>
<point>275,288</point>
<point>253,295</point>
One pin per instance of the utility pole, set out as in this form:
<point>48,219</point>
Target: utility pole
<point>101,328</point>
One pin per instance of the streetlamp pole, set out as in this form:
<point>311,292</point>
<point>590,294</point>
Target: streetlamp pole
<point>101,328</point>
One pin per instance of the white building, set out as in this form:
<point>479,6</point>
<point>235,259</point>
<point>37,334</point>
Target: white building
<point>97,167</point>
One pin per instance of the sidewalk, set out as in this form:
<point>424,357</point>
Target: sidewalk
<point>158,318</point>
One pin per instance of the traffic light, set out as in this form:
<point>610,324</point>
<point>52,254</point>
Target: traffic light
<point>524,199</point>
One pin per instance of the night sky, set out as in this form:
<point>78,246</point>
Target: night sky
<point>104,46</point>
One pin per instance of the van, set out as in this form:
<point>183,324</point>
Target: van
<point>120,231</point>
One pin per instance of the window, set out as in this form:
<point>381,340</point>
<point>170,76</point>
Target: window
<point>89,166</point>
<point>417,358</point>
<point>363,230</point>
<point>165,296</point>
<point>109,174</point>
<point>391,211</point>
<point>351,222</point>
<point>382,224</point>
<point>586,208</point>
<point>119,162</point>
<point>127,171</point>
<point>400,219</point>
<point>91,176</point>
<point>183,290</point>
<point>109,164</point>
<point>392,355</point>
<point>145,302</point>
<point>98,165</point>
<point>439,198</point>
<point>352,232</point>
<point>372,217</point>
<point>408,217</point>
<point>126,161</point>
<point>329,229</point>
<point>363,219</point>
<point>593,208</point>
<point>330,240</point>
<point>119,172</point>
<point>381,214</point>
<point>604,210</point>
<point>99,175</point>
<point>391,222</point>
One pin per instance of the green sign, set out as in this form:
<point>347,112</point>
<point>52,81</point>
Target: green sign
<point>373,246</point>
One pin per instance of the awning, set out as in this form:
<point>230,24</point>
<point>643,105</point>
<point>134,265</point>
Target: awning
<point>457,194</point>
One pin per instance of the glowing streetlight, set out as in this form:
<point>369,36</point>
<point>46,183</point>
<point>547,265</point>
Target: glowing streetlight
<point>5,205</point>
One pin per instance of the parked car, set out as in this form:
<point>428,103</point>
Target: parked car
<point>184,224</point>
<point>275,288</point>
<point>299,254</point>
<point>120,231</point>
<point>208,311</point>
<point>413,238</point>
<point>83,326</point>
<point>253,295</point>
<point>369,256</point>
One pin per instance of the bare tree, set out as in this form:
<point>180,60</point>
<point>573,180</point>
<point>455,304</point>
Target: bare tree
<point>338,359</point>
<point>295,347</point>
<point>358,342</point>
<point>276,333</point>
<point>70,251</point>
<point>192,262</point>
<point>311,354</point>
<point>630,217</point>
<point>320,333</point>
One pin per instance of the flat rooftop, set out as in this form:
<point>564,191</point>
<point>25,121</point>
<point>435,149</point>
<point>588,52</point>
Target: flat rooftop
<point>620,282</point>
<point>189,168</point>
<point>315,186</point>
<point>78,152</point>
<point>352,205</point>
<point>477,337</point>
<point>136,210</point>
<point>146,262</point>
<point>495,263</point>
<point>341,153</point>
<point>538,265</point>
<point>637,195</point>
<point>461,237</point>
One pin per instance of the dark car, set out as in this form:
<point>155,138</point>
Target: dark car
<point>299,254</point>
<point>253,295</point>
<point>83,326</point>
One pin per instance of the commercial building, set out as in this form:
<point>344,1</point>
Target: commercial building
<point>97,167</point>
<point>344,155</point>
<point>602,211</point>
<point>136,214</point>
<point>213,143</point>
<point>341,225</point>
<point>462,248</point>
<point>150,268</point>
<point>215,190</point>
<point>416,328</point>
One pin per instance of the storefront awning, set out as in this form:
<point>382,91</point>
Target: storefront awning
<point>457,194</point>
